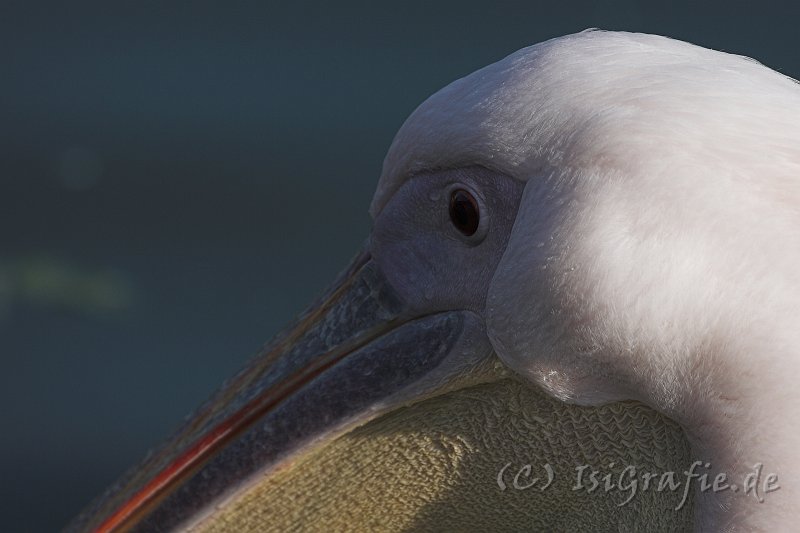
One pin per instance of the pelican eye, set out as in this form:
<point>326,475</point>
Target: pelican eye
<point>464,212</point>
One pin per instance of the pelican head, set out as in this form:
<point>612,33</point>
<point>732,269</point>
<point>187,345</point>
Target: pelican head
<point>585,252</point>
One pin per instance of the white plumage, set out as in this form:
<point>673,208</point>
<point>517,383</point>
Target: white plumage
<point>656,254</point>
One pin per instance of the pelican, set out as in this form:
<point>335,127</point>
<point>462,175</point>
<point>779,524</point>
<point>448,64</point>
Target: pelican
<point>583,271</point>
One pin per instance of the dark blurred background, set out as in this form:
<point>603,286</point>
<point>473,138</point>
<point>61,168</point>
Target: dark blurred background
<point>178,179</point>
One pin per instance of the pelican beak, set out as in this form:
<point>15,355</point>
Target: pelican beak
<point>357,353</point>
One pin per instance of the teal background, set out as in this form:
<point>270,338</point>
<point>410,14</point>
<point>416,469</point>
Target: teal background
<point>178,179</point>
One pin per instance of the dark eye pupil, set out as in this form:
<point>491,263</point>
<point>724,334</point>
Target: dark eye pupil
<point>464,212</point>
